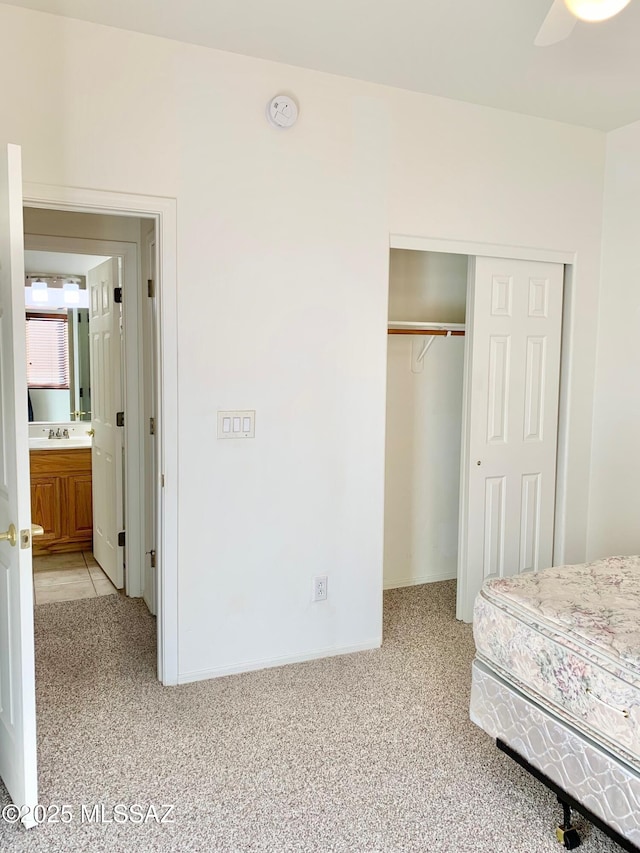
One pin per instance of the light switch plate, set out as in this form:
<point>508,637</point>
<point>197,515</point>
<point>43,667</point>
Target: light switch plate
<point>237,424</point>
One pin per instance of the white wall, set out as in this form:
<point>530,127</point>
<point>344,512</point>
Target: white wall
<point>424,420</point>
<point>615,484</point>
<point>282,271</point>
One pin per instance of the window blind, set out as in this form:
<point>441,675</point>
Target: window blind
<point>47,351</point>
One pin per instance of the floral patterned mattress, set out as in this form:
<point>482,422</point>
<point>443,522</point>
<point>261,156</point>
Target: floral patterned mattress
<point>570,638</point>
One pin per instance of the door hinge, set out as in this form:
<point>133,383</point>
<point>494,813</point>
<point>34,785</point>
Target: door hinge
<point>151,288</point>
<point>121,539</point>
<point>117,295</point>
<point>152,426</point>
<point>119,418</point>
<point>152,557</point>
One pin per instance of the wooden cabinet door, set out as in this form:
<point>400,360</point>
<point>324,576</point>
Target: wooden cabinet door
<point>46,507</point>
<point>61,499</point>
<point>80,515</point>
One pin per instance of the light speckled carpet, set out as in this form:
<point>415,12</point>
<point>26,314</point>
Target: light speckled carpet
<point>366,752</point>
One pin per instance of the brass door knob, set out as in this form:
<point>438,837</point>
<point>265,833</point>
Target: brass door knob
<point>9,535</point>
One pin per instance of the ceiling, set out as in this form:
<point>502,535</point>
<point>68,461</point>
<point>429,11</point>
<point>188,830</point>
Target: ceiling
<point>60,263</point>
<point>480,51</point>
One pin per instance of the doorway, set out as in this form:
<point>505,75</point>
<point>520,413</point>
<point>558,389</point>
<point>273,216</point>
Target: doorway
<point>72,497</point>
<point>119,368</point>
<point>425,370</point>
<point>17,721</point>
<point>148,224</point>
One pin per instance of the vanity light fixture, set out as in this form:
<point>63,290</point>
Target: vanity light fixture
<point>39,291</point>
<point>71,292</point>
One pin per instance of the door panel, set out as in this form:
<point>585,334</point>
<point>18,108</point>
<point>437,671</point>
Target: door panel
<point>18,758</point>
<point>530,523</point>
<point>499,360</point>
<point>107,448</point>
<point>46,506</point>
<point>494,524</point>
<point>514,320</point>
<point>534,389</point>
<point>79,497</point>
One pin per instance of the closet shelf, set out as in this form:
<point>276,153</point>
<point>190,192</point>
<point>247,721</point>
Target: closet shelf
<point>399,327</point>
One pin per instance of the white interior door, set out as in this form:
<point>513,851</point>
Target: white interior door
<point>18,756</point>
<point>105,319</point>
<point>514,323</point>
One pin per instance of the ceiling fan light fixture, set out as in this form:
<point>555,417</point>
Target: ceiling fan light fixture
<point>595,10</point>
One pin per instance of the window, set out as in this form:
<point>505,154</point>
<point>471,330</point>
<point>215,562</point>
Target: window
<point>47,351</point>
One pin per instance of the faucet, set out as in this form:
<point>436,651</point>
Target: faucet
<point>59,433</point>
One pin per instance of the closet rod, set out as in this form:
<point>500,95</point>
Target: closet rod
<point>425,332</point>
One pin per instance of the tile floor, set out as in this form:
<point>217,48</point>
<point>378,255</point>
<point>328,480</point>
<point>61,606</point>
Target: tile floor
<point>67,577</point>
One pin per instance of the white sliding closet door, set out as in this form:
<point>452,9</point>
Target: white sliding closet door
<point>514,317</point>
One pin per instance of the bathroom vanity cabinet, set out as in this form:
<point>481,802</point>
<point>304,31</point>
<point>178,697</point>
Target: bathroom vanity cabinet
<point>61,499</point>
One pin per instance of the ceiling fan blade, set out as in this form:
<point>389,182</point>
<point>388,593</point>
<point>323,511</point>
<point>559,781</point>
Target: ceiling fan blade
<point>557,26</point>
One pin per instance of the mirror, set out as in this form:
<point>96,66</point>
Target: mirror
<point>58,343</point>
<point>58,369</point>
<point>57,336</point>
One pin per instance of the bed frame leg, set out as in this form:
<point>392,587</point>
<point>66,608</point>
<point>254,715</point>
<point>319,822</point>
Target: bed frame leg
<point>567,834</point>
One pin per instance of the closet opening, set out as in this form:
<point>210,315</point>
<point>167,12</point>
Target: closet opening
<point>425,378</point>
<point>477,396</point>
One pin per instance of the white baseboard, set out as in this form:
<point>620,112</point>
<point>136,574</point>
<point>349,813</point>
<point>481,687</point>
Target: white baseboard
<point>251,666</point>
<point>433,577</point>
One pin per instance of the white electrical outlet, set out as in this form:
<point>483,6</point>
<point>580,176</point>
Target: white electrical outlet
<point>320,584</point>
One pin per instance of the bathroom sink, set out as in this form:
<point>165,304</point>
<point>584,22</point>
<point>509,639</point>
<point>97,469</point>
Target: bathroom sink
<point>60,443</point>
